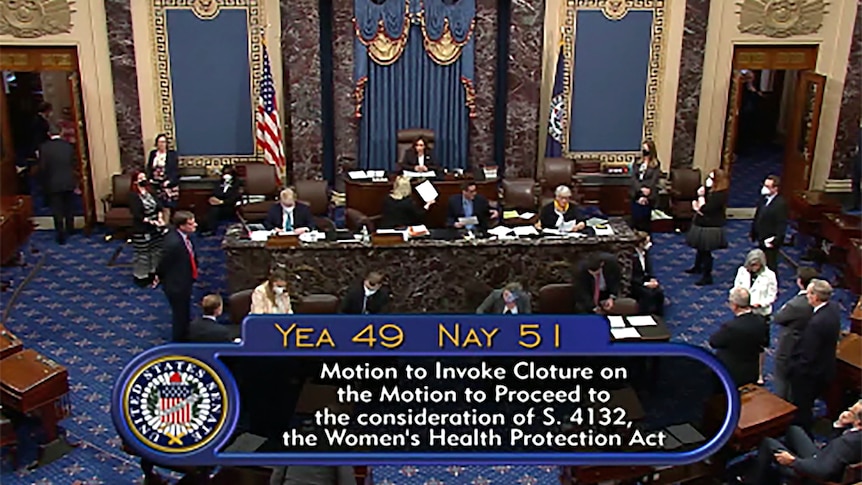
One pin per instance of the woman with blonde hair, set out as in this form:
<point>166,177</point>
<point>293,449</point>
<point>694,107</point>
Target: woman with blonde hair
<point>762,286</point>
<point>273,295</point>
<point>399,209</point>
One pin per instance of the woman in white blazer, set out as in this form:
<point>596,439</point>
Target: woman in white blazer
<point>762,285</point>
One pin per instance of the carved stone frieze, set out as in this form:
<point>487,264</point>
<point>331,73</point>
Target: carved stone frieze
<point>781,18</point>
<point>35,18</point>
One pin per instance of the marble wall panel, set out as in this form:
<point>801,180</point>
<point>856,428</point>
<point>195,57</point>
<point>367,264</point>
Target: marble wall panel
<point>300,51</point>
<point>526,36</point>
<point>847,137</point>
<point>690,79</point>
<point>346,125</point>
<point>484,83</point>
<point>125,80</point>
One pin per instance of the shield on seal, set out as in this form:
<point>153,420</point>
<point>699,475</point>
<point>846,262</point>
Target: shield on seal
<point>175,406</point>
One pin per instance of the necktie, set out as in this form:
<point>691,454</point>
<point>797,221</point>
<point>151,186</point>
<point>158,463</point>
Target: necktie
<point>288,223</point>
<point>192,257</point>
<point>596,290</point>
<point>365,304</point>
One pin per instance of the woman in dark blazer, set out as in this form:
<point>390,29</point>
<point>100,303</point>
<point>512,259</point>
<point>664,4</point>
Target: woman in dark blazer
<point>399,209</point>
<point>707,228</point>
<point>419,158</point>
<point>561,210</point>
<point>148,227</point>
<point>163,171</point>
<point>644,187</point>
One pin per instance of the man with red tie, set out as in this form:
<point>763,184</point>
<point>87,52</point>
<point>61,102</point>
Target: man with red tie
<point>597,284</point>
<point>177,272</point>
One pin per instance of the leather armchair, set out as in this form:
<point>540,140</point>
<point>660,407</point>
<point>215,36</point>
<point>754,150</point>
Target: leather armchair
<point>519,194</point>
<point>118,216</point>
<point>355,219</point>
<point>407,137</point>
<point>684,183</point>
<point>556,172</point>
<point>259,179</point>
<point>316,304</point>
<point>625,307</point>
<point>315,194</point>
<point>557,299</point>
<point>238,306</point>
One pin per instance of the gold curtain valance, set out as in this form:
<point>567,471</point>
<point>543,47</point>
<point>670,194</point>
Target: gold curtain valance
<point>383,49</point>
<point>446,49</point>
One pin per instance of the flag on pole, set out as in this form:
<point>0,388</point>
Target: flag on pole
<point>557,115</point>
<point>268,126</point>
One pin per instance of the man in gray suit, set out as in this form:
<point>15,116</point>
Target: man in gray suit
<point>792,317</point>
<point>509,300</point>
<point>313,475</point>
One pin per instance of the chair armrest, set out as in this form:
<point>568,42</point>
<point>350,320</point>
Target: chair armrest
<point>107,202</point>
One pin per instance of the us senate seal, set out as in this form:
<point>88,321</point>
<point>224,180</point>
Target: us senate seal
<point>175,404</point>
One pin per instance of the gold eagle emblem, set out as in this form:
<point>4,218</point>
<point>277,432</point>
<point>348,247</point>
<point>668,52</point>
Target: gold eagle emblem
<point>35,18</point>
<point>781,18</point>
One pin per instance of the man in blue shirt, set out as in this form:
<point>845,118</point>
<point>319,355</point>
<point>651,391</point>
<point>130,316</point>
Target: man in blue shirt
<point>469,203</point>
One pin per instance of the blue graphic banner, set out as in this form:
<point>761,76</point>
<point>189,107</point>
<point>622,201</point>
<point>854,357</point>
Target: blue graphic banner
<point>179,403</point>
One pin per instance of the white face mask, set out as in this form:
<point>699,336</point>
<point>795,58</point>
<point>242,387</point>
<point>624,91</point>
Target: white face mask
<point>647,246</point>
<point>765,191</point>
<point>708,183</point>
<point>369,291</point>
<point>278,290</point>
<point>227,177</point>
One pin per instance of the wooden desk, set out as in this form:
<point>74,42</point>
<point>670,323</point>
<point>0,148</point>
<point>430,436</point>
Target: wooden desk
<point>368,197</point>
<point>808,209</point>
<point>608,191</point>
<point>848,373</point>
<point>649,333</point>
<point>9,343</point>
<point>426,275</point>
<point>763,415</point>
<point>195,195</point>
<point>856,318</point>
<point>15,225</point>
<point>839,229</point>
<point>853,272</point>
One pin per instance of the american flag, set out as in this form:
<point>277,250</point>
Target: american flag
<point>268,126</point>
<point>175,404</point>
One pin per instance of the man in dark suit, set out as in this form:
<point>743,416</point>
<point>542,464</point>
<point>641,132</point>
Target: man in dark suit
<point>178,270</point>
<point>792,318</point>
<point>224,199</point>
<point>469,203</point>
<point>369,297</point>
<point>738,343</point>
<point>645,287</point>
<point>288,216</point>
<point>799,456</point>
<point>508,300</point>
<point>57,164</point>
<point>770,221</point>
<point>207,329</point>
<point>597,284</point>
<point>812,363</point>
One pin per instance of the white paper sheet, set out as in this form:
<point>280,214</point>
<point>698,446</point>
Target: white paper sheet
<point>526,231</point>
<point>595,221</point>
<point>412,174</point>
<point>567,226</point>
<point>642,321</point>
<point>625,333</point>
<point>358,175</point>
<point>260,235</point>
<point>527,216</point>
<point>617,321</point>
<point>604,231</point>
<point>468,221</point>
<point>377,174</point>
<point>499,231</point>
<point>427,191</point>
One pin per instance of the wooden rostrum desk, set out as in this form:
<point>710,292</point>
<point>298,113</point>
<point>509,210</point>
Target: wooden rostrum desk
<point>37,386</point>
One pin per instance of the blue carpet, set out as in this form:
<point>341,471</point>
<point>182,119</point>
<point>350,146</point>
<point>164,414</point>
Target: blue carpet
<point>92,319</point>
<point>748,172</point>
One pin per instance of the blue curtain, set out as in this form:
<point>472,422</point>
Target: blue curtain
<point>414,92</point>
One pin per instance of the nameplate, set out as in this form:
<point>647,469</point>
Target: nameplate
<point>387,239</point>
<point>282,241</point>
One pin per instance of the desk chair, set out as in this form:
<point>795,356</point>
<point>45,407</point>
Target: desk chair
<point>556,299</point>
<point>684,183</point>
<point>118,216</point>
<point>315,194</point>
<point>625,307</point>
<point>555,172</point>
<point>238,306</point>
<point>259,179</point>
<point>355,219</point>
<point>406,138</point>
<point>518,194</point>
<point>316,304</point>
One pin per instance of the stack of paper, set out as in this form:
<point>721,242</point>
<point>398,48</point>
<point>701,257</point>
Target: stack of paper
<point>522,231</point>
<point>358,175</point>
<point>642,321</point>
<point>260,235</point>
<point>412,174</point>
<point>427,191</point>
<point>604,230</point>
<point>500,231</point>
<point>595,221</point>
<point>625,333</point>
<point>617,322</point>
<point>515,215</point>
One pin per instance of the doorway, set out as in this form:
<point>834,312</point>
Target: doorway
<point>764,120</point>
<point>40,88</point>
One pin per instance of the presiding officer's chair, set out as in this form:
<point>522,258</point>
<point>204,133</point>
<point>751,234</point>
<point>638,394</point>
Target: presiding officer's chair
<point>407,137</point>
<point>259,180</point>
<point>556,172</point>
<point>519,194</point>
<point>118,216</point>
<point>315,194</point>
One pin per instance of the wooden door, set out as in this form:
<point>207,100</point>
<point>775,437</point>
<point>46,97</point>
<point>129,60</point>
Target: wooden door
<point>731,121</point>
<point>8,174</point>
<point>85,182</point>
<point>802,133</point>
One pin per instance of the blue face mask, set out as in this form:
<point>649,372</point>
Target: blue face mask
<point>509,297</point>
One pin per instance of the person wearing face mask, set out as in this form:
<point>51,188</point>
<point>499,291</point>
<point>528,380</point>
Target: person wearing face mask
<point>163,171</point>
<point>770,221</point>
<point>369,297</point>
<point>562,212</point>
<point>762,285</point>
<point>288,215</point>
<point>272,296</point>
<point>147,229</point>
<point>509,300</point>
<point>644,187</point>
<point>707,227</point>
<point>224,199</point>
<point>645,288</point>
